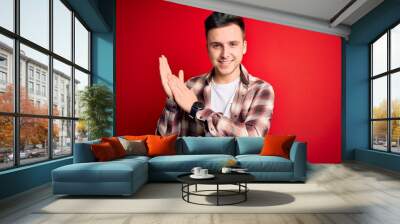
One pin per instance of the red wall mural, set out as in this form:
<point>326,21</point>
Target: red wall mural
<point>304,67</point>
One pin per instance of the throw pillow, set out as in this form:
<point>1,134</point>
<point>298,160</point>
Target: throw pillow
<point>135,137</point>
<point>117,146</point>
<point>103,151</point>
<point>134,147</point>
<point>277,145</point>
<point>161,145</point>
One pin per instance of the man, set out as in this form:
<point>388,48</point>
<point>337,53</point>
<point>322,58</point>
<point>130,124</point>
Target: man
<point>227,101</point>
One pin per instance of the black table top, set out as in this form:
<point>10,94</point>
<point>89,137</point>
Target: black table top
<point>220,178</point>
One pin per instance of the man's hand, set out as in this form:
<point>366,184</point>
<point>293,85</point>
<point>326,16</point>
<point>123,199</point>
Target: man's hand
<point>165,71</point>
<point>183,96</point>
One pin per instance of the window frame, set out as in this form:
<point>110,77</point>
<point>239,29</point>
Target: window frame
<point>16,114</point>
<point>388,74</point>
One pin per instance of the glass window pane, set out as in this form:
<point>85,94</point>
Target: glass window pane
<point>34,16</point>
<point>81,131</point>
<point>81,81</point>
<point>379,135</point>
<point>395,94</point>
<point>379,97</point>
<point>6,74</point>
<point>6,142</point>
<point>62,29</point>
<point>81,45</point>
<point>379,55</point>
<point>395,47</point>
<point>395,136</point>
<point>62,138</point>
<point>33,139</point>
<point>34,78</point>
<point>62,89</point>
<point>7,14</point>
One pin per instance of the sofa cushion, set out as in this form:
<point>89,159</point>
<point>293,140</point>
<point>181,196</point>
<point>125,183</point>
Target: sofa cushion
<point>257,163</point>
<point>249,145</point>
<point>161,145</point>
<point>116,145</point>
<point>206,145</point>
<point>134,147</point>
<point>277,145</point>
<point>185,163</point>
<point>103,151</point>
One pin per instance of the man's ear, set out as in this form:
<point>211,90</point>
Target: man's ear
<point>244,47</point>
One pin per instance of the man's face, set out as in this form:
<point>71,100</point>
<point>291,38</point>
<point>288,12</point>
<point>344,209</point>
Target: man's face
<point>226,48</point>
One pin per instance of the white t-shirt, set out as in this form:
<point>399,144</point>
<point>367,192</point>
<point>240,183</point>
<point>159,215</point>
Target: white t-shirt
<point>222,96</point>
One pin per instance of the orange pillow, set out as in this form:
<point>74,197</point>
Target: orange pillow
<point>275,145</point>
<point>116,145</point>
<point>103,151</point>
<point>161,145</point>
<point>134,137</point>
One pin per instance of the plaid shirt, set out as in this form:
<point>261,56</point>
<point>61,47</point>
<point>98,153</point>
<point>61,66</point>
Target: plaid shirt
<point>251,110</point>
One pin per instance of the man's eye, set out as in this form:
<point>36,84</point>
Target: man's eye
<point>215,46</point>
<point>233,44</point>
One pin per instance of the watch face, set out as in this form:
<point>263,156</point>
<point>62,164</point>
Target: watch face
<point>199,105</point>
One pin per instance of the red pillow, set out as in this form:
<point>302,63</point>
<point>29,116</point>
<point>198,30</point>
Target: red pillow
<point>275,145</point>
<point>135,137</point>
<point>103,151</point>
<point>161,145</point>
<point>116,145</point>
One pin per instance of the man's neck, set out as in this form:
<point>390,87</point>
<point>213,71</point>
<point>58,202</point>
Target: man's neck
<point>223,79</point>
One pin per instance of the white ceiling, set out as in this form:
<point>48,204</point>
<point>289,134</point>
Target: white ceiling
<point>317,15</point>
<point>321,9</point>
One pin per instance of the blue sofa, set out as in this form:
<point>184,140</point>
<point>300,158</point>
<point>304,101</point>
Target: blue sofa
<point>126,175</point>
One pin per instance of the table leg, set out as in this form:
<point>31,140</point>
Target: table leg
<point>245,193</point>
<point>217,194</point>
<point>196,188</point>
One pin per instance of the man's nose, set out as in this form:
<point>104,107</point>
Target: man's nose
<point>225,52</point>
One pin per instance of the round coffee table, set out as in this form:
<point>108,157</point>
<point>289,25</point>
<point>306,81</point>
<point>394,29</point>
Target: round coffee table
<point>238,179</point>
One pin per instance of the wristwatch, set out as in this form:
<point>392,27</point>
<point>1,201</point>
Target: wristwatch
<point>196,107</point>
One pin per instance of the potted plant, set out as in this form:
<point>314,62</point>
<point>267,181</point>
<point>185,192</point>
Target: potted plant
<point>96,102</point>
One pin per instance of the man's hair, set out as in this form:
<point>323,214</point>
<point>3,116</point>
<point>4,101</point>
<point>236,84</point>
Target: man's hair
<point>219,19</point>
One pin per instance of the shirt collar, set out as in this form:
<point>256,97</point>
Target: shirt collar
<point>244,75</point>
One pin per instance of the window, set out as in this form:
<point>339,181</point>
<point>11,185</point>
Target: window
<point>7,14</point>
<point>385,91</point>
<point>34,21</point>
<point>38,74</point>
<point>81,45</point>
<point>43,90</point>
<point>30,87</point>
<point>30,72</point>
<point>3,72</point>
<point>45,131</point>
<point>3,61</point>
<point>6,73</point>
<point>3,78</point>
<point>62,74</point>
<point>38,89</point>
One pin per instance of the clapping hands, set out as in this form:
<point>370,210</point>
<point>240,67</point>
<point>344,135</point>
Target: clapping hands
<point>174,86</point>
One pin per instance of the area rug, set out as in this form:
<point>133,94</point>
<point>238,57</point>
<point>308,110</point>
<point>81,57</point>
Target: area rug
<point>167,198</point>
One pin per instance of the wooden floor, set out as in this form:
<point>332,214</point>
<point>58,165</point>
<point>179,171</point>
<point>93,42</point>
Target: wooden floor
<point>354,182</point>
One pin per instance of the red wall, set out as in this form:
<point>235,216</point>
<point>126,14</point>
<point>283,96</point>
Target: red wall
<point>304,67</point>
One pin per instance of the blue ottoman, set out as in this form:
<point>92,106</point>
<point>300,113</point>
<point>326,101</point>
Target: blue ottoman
<point>118,177</point>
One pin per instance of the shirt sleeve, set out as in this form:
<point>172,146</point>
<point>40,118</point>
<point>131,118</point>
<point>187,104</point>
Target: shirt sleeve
<point>256,123</point>
<point>170,119</point>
